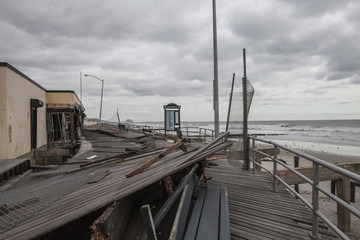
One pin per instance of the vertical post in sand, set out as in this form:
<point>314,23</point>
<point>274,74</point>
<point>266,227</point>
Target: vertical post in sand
<point>230,101</point>
<point>296,164</point>
<point>245,118</point>
<point>343,192</point>
<point>216,84</point>
<point>118,115</point>
<point>315,203</point>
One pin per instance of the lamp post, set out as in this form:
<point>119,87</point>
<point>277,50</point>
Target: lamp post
<point>216,80</point>
<point>102,91</point>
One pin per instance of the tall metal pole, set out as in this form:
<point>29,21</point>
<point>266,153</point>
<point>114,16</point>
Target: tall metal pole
<point>216,82</point>
<point>80,86</point>
<point>102,91</point>
<point>230,101</point>
<point>245,118</point>
<point>117,109</point>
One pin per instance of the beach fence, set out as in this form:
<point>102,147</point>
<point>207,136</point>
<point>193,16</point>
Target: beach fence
<point>204,135</point>
<point>198,133</point>
<point>320,171</point>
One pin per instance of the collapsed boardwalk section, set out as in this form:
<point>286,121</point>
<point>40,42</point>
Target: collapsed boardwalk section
<point>256,212</point>
<point>69,192</point>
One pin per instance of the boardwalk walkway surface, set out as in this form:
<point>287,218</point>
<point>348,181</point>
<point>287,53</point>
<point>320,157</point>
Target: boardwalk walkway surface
<point>256,212</point>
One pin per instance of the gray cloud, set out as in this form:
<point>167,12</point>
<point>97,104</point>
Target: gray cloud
<point>155,52</point>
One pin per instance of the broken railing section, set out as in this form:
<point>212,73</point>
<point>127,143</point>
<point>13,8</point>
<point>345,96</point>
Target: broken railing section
<point>320,171</point>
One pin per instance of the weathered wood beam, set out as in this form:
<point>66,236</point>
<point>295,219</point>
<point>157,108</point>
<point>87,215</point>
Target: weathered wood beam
<point>112,223</point>
<point>50,152</point>
<point>157,158</point>
<point>343,215</point>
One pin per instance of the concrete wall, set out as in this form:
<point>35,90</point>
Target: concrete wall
<point>4,136</point>
<point>17,94</point>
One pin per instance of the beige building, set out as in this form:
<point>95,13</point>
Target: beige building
<point>64,116</point>
<point>27,113</point>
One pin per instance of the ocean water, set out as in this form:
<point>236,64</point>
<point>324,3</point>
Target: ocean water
<point>331,136</point>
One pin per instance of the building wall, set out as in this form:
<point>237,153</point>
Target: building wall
<point>62,99</point>
<point>4,137</point>
<point>18,92</point>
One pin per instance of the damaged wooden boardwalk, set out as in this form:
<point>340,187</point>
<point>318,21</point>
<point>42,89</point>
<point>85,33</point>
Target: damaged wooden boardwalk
<point>256,212</point>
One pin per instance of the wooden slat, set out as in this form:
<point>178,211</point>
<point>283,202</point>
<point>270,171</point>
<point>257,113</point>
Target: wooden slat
<point>224,214</point>
<point>195,216</point>
<point>8,164</point>
<point>209,222</point>
<point>256,212</point>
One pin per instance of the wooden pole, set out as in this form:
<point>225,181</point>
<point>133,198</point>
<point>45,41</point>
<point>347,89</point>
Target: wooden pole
<point>296,164</point>
<point>343,192</point>
<point>230,101</point>
<point>245,118</point>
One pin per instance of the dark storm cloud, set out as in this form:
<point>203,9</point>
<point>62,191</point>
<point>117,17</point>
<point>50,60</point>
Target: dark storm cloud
<point>161,51</point>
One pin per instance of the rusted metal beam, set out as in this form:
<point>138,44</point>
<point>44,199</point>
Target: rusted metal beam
<point>168,185</point>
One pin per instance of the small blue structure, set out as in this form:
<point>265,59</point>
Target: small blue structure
<point>172,117</point>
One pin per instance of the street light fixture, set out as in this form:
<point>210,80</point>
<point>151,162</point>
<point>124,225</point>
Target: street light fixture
<point>102,91</point>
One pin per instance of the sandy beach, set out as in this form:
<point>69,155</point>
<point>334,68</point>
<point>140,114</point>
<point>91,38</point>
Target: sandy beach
<point>326,205</point>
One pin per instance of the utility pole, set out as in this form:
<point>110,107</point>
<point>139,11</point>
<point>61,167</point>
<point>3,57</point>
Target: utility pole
<point>80,86</point>
<point>245,118</point>
<point>230,102</point>
<point>216,81</point>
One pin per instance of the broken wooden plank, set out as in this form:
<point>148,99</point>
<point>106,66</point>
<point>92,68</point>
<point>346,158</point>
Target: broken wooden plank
<point>105,151</point>
<point>97,179</point>
<point>112,223</point>
<point>156,158</point>
<point>216,158</point>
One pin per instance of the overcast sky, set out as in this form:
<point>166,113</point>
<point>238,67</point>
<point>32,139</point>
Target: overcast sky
<point>303,57</point>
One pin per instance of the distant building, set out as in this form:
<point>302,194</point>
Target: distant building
<point>31,117</point>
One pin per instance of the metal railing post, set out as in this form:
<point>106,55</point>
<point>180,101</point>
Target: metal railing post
<point>275,170</point>
<point>148,222</point>
<point>253,156</point>
<point>315,202</point>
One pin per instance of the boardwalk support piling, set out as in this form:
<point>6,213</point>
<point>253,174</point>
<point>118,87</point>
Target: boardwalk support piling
<point>343,192</point>
<point>245,117</point>
<point>254,156</point>
<point>296,164</point>
<point>275,170</point>
<point>315,202</point>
